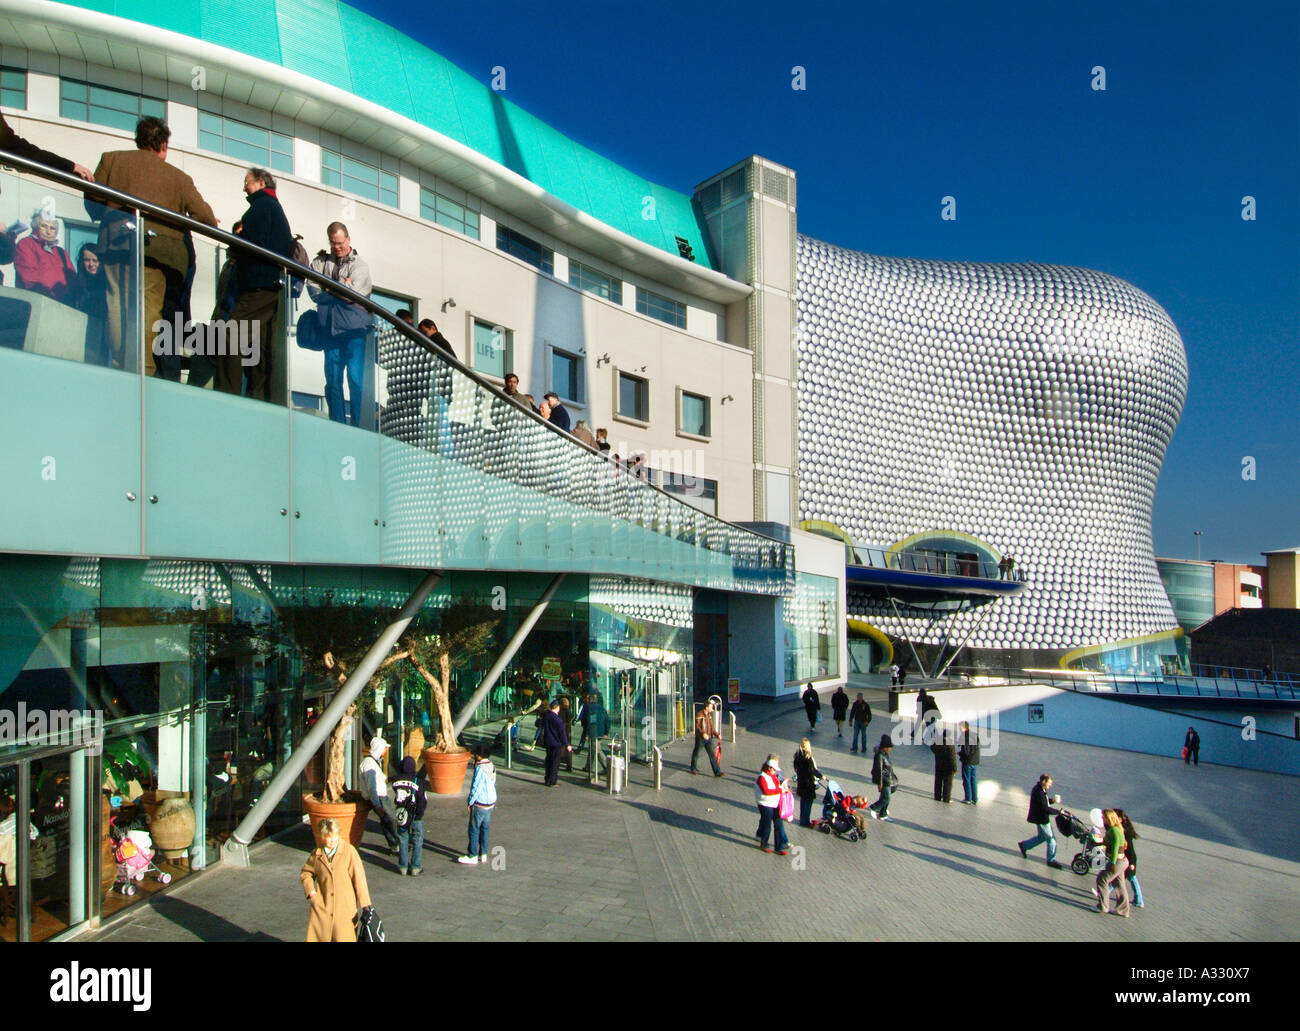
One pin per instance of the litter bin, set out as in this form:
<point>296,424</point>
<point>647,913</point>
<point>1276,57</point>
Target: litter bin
<point>617,766</point>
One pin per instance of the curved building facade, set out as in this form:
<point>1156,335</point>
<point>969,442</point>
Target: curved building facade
<point>1022,408</point>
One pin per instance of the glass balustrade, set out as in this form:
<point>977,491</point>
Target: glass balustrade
<point>425,466</point>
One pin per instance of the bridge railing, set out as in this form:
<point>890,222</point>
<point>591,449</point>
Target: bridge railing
<point>1101,682</point>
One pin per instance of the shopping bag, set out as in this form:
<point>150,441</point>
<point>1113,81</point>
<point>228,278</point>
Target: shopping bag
<point>786,808</point>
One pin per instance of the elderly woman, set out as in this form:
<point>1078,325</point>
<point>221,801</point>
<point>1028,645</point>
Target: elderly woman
<point>335,883</point>
<point>767,790</point>
<point>41,264</point>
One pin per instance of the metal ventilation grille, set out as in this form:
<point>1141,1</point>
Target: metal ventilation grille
<point>776,185</point>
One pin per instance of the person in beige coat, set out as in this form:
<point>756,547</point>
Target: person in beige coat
<point>335,883</point>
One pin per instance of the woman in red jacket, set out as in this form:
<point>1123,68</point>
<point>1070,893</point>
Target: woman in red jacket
<point>42,265</point>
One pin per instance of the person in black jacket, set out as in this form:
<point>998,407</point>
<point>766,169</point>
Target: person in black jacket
<point>968,751</point>
<point>264,224</point>
<point>860,719</point>
<point>812,703</point>
<point>807,774</point>
<point>555,736</point>
<point>839,709</point>
<point>927,716</point>
<point>410,801</point>
<point>1192,747</point>
<point>1041,811</point>
<point>12,143</point>
<point>945,763</point>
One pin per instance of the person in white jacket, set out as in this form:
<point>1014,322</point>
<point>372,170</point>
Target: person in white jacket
<point>375,786</point>
<point>768,790</point>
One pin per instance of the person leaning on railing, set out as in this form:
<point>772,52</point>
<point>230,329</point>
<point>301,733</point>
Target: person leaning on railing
<point>11,142</point>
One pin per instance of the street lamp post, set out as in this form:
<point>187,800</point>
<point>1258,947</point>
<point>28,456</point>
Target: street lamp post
<point>1198,544</point>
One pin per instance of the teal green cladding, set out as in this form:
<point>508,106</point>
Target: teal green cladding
<point>346,48</point>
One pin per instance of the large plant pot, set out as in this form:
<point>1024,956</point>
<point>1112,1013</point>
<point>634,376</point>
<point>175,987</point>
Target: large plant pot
<point>171,822</point>
<point>446,771</point>
<point>350,816</point>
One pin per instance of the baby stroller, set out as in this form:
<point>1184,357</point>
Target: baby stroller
<point>1093,857</point>
<point>838,815</point>
<point>133,853</point>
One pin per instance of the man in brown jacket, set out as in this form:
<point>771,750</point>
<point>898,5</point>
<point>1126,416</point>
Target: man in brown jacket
<point>144,173</point>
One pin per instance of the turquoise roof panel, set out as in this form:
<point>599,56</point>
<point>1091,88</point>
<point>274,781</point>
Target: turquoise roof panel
<point>381,65</point>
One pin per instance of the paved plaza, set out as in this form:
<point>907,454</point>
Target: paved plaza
<point>1217,857</point>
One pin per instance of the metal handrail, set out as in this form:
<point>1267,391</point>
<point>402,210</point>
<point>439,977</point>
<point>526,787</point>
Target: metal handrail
<point>1090,682</point>
<point>109,196</point>
<point>913,562</point>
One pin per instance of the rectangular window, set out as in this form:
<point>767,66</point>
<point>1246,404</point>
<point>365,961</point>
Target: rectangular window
<point>566,375</point>
<point>235,139</point>
<point>493,349</point>
<point>633,397</point>
<point>696,491</point>
<point>665,309</point>
<point>446,212</point>
<point>589,279</point>
<point>391,303</point>
<point>524,249</point>
<point>359,177</point>
<point>13,87</point>
<point>118,109</point>
<point>693,414</point>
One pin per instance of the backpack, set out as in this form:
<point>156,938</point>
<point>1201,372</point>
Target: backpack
<point>301,256</point>
<point>405,801</point>
<point>875,770</point>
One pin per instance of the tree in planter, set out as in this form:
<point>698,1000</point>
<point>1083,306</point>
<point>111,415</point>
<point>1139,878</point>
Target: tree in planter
<point>466,629</point>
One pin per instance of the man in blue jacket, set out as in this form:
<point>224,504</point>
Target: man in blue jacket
<point>264,224</point>
<point>556,740</point>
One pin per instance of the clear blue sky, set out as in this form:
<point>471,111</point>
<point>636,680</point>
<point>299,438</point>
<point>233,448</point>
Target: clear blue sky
<point>991,104</point>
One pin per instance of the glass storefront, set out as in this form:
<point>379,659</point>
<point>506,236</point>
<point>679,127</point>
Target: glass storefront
<point>812,629</point>
<point>202,678</point>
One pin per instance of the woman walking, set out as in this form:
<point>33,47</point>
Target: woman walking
<point>335,883</point>
<point>1130,853</point>
<point>806,776</point>
<point>768,790</point>
<point>812,703</point>
<point>1116,864</point>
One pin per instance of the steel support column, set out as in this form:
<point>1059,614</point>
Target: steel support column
<point>235,850</point>
<point>520,635</point>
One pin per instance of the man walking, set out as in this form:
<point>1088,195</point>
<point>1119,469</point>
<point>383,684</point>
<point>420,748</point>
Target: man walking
<point>1041,811</point>
<point>839,709</point>
<point>860,719</point>
<point>1192,747</point>
<point>144,173</point>
<point>343,324</point>
<point>705,734</point>
<point>968,751</point>
<point>556,739</point>
<point>258,302</point>
<point>884,778</point>
<point>375,782</point>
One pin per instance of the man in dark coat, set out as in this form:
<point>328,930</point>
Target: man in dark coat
<point>812,703</point>
<point>264,224</point>
<point>839,709</point>
<point>559,414</point>
<point>555,737</point>
<point>1041,810</point>
<point>968,751</point>
<point>1192,747</point>
<point>860,719</point>
<point>945,764</point>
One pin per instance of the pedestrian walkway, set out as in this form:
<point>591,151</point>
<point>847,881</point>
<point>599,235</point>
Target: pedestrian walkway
<point>1216,857</point>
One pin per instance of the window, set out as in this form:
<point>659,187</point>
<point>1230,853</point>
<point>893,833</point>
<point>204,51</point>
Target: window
<point>526,250</point>
<point>13,87</point>
<point>586,278</point>
<point>665,309</point>
<point>696,491</point>
<point>566,375</point>
<point>446,212</point>
<point>390,303</point>
<point>493,349</point>
<point>633,397</point>
<point>246,142</point>
<point>119,109</point>
<point>693,414</point>
<point>353,176</point>
<point>306,402</point>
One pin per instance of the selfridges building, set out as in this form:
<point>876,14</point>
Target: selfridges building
<point>985,409</point>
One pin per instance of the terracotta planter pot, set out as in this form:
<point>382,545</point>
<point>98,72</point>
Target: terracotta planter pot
<point>171,821</point>
<point>350,816</point>
<point>446,771</point>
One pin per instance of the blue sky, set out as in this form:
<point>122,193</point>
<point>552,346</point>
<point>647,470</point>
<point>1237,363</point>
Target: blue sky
<point>992,104</point>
